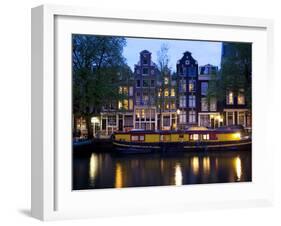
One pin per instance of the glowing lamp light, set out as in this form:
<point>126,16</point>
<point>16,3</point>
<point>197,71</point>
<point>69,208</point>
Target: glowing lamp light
<point>94,120</point>
<point>237,135</point>
<point>178,111</point>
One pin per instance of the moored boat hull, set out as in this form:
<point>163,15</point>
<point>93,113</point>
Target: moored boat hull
<point>131,147</point>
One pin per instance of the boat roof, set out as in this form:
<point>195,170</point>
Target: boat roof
<point>194,130</point>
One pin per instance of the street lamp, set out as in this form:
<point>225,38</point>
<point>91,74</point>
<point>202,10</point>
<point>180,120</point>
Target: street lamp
<point>94,120</point>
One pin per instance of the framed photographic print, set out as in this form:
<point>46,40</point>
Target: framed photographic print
<point>135,112</point>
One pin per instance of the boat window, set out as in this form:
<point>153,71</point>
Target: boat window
<point>206,137</point>
<point>135,138</point>
<point>194,137</point>
<point>142,138</point>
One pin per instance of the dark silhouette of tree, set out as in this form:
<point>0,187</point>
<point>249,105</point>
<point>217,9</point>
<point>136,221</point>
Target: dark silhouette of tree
<point>96,65</point>
<point>235,73</point>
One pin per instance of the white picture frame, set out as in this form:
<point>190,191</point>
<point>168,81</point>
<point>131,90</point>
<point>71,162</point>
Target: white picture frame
<point>52,197</point>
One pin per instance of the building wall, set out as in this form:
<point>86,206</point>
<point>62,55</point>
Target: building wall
<point>188,103</point>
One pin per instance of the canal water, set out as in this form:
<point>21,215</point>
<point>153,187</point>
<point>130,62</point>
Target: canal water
<point>107,170</point>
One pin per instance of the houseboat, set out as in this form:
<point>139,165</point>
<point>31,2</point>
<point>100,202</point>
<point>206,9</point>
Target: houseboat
<point>193,139</point>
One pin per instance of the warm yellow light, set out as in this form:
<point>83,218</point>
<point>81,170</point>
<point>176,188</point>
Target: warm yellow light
<point>95,120</point>
<point>178,175</point>
<point>237,135</point>
<point>93,168</point>
<point>238,168</point>
<point>178,111</point>
<point>206,164</point>
<point>118,176</point>
<point>195,165</point>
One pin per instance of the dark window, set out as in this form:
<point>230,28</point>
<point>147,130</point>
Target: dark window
<point>152,83</point>
<point>191,71</point>
<point>144,61</point>
<point>138,83</point>
<point>145,83</point>
<point>145,71</point>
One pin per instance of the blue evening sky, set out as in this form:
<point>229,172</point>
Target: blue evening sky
<point>203,51</point>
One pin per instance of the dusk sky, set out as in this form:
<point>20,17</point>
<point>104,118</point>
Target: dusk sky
<point>203,51</point>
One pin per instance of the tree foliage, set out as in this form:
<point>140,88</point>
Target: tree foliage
<point>97,63</point>
<point>235,73</point>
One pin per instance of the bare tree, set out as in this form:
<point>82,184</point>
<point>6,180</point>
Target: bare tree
<point>163,60</point>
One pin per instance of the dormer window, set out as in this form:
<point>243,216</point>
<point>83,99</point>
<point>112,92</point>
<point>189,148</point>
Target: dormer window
<point>145,61</point>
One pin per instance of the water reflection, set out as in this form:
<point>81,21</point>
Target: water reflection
<point>238,168</point>
<point>106,170</point>
<point>178,175</point>
<point>206,165</point>
<point>93,168</point>
<point>195,165</point>
<point>118,176</point>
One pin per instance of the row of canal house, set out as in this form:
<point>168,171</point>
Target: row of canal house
<point>167,101</point>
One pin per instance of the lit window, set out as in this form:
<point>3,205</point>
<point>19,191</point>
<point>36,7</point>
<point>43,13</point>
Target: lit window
<point>120,89</point>
<point>206,137</point>
<point>125,90</point>
<point>167,106</point>
<point>125,104</point>
<point>194,137</point>
<point>173,92</point>
<point>131,104</point>
<point>191,86</point>
<point>120,104</point>
<point>141,138</point>
<point>137,114</point>
<point>166,93</point>
<point>142,113</point>
<point>229,98</point>
<point>159,94</point>
<point>166,81</point>
<point>241,97</point>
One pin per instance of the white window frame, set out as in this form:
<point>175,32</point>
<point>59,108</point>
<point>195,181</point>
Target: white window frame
<point>191,101</point>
